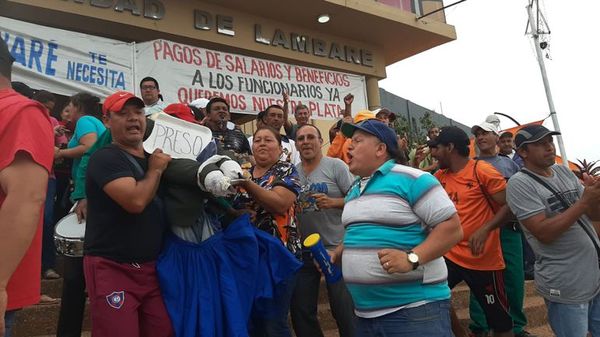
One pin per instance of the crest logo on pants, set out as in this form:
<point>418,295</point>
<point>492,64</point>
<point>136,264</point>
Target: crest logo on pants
<point>116,299</point>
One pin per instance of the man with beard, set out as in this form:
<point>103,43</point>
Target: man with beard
<point>478,192</point>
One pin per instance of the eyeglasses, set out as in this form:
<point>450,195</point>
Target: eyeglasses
<point>148,87</point>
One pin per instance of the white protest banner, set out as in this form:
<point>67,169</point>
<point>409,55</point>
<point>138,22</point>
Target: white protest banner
<point>249,84</point>
<point>178,138</point>
<point>66,62</point>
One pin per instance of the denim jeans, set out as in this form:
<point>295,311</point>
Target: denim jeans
<point>431,319</point>
<point>9,322</point>
<point>575,320</point>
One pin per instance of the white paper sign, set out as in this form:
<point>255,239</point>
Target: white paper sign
<point>67,62</point>
<point>178,138</point>
<point>249,84</point>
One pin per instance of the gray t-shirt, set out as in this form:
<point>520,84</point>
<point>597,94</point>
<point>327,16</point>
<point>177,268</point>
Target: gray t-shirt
<point>332,178</point>
<point>566,270</point>
<point>506,166</point>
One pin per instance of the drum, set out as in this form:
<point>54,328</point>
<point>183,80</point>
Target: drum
<point>68,236</point>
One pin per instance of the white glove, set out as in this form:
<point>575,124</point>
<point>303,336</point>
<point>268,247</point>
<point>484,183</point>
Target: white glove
<point>218,184</point>
<point>231,169</point>
<point>215,174</point>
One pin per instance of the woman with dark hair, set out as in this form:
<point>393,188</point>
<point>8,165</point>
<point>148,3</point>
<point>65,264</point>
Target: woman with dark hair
<point>271,196</point>
<point>84,110</point>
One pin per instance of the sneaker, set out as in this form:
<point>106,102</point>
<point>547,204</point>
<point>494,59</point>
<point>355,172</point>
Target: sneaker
<point>51,274</point>
<point>524,334</point>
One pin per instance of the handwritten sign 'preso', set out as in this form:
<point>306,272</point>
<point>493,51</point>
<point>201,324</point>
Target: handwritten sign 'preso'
<point>178,138</point>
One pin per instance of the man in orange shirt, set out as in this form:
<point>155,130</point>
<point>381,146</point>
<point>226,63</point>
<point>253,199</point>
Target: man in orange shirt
<point>478,192</point>
<point>339,145</point>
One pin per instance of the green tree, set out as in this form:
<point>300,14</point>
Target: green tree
<point>426,123</point>
<point>415,131</point>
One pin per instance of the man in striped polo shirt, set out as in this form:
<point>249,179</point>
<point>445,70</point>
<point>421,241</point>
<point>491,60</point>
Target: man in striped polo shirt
<point>399,223</point>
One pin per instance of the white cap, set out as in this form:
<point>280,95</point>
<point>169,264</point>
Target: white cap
<point>199,103</point>
<point>492,123</point>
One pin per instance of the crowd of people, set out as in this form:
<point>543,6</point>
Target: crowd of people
<point>214,246</point>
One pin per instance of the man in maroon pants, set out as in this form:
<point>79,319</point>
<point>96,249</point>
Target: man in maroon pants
<point>124,228</point>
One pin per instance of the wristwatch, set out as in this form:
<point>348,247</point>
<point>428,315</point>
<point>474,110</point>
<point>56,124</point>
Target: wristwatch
<point>413,258</point>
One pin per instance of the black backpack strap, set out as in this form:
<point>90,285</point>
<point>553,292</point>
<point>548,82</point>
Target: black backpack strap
<point>565,205</point>
<point>487,196</point>
<point>139,170</point>
<point>135,164</point>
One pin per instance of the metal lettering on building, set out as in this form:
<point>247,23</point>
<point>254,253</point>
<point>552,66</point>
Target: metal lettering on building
<point>224,24</point>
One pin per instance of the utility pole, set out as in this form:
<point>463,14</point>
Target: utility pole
<point>535,34</point>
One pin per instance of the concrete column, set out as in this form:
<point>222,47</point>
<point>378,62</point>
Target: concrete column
<point>372,94</point>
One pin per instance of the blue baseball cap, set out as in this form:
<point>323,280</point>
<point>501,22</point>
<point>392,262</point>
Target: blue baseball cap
<point>376,128</point>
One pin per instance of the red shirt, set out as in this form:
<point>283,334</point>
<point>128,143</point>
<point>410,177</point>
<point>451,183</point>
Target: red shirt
<point>25,126</point>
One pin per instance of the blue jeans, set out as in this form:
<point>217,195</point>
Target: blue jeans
<point>575,320</point>
<point>9,322</point>
<point>431,319</point>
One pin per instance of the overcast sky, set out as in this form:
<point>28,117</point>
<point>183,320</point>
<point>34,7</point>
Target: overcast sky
<point>492,67</point>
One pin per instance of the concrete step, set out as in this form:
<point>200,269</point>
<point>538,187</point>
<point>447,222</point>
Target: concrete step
<point>52,288</point>
<point>325,317</point>
<point>46,316</point>
<point>42,320</point>
<point>542,331</point>
<point>331,333</point>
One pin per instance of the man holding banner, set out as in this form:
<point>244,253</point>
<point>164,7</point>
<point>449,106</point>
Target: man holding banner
<point>124,228</point>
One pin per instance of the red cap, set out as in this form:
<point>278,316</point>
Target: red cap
<point>180,111</point>
<point>116,101</point>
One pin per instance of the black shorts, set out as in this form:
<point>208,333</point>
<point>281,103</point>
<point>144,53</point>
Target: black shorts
<point>488,288</point>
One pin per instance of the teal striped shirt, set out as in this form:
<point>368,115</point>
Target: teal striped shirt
<point>396,208</point>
